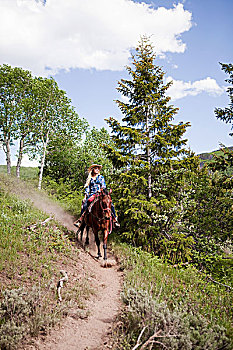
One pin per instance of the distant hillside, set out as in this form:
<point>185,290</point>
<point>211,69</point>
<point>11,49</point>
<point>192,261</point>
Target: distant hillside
<point>208,156</point>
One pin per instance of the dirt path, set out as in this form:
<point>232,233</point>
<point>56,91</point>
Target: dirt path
<point>92,332</point>
<point>103,306</point>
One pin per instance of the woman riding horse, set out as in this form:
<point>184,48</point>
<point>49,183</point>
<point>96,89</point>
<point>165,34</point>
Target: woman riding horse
<point>94,183</point>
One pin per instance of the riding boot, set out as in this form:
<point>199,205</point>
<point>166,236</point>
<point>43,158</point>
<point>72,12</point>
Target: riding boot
<point>116,223</point>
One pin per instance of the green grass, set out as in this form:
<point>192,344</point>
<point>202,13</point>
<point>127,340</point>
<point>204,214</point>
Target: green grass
<point>26,252</point>
<point>26,173</point>
<point>31,256</point>
<point>156,291</point>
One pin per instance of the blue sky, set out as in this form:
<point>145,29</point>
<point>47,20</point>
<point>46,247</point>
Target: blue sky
<point>85,46</point>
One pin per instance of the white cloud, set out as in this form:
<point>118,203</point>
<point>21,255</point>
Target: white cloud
<point>85,33</point>
<point>180,89</point>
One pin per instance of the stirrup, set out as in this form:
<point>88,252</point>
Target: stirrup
<point>78,223</point>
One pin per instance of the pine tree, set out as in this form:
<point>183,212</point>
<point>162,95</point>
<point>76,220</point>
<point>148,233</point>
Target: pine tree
<point>147,135</point>
<point>226,114</point>
<point>146,142</point>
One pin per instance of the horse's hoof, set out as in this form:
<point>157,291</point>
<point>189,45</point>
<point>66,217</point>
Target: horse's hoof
<point>108,263</point>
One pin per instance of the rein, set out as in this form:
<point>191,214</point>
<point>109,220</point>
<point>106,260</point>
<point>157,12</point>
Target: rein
<point>106,209</point>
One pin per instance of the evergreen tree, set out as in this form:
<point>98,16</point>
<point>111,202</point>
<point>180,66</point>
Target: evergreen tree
<point>226,114</point>
<point>147,135</point>
<point>147,144</point>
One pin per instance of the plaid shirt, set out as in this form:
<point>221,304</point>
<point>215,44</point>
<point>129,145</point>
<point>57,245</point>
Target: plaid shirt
<point>95,185</point>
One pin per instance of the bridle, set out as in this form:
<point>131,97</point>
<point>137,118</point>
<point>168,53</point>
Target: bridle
<point>104,210</point>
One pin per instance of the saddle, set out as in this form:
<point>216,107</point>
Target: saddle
<point>91,202</point>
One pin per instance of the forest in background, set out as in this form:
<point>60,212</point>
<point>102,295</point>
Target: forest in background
<point>168,205</point>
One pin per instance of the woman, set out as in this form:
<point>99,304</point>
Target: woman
<point>95,182</point>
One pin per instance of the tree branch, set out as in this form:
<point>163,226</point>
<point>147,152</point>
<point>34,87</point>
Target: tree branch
<point>32,227</point>
<point>139,338</point>
<point>151,339</point>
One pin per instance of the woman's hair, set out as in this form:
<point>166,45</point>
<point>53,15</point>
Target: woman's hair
<point>88,179</point>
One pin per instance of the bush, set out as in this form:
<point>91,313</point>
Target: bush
<point>172,303</point>
<point>23,313</point>
<point>65,193</point>
<point>177,329</point>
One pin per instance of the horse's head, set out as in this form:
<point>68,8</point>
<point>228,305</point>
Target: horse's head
<point>106,202</point>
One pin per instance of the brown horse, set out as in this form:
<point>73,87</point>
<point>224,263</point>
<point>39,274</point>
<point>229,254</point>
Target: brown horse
<point>98,217</point>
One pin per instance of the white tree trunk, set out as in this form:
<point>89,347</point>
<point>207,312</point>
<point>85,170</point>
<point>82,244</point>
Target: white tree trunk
<point>7,151</point>
<point>43,160</point>
<point>19,161</point>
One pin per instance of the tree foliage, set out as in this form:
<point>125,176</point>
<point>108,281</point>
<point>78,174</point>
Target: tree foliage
<point>14,88</point>
<point>148,146</point>
<point>147,135</point>
<point>57,117</point>
<point>166,202</point>
<point>69,159</point>
<point>34,110</point>
<point>226,114</point>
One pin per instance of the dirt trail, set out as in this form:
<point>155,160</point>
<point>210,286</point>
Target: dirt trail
<point>92,332</point>
<point>80,334</point>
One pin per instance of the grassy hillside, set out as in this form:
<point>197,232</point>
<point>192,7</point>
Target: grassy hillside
<point>60,192</point>
<point>26,173</point>
<point>163,306</point>
<point>32,254</point>
<point>207,157</point>
<point>170,308</point>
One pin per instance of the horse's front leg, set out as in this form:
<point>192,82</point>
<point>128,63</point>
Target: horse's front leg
<point>97,241</point>
<point>105,238</point>
<point>81,229</point>
<point>87,235</point>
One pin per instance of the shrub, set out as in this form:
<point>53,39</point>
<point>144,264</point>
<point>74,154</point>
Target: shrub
<point>64,192</point>
<point>24,313</point>
<point>174,302</point>
<point>178,329</point>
